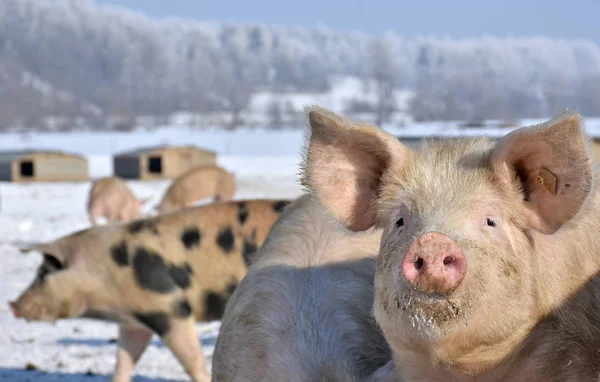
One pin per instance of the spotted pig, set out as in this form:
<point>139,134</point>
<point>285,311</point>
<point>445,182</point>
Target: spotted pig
<point>110,197</point>
<point>156,275</point>
<point>197,184</point>
<point>489,263</point>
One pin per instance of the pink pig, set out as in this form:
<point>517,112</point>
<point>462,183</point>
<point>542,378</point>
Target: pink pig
<point>111,198</point>
<point>490,253</point>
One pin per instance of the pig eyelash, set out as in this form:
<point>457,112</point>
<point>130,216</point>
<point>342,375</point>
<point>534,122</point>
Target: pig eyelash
<point>491,222</point>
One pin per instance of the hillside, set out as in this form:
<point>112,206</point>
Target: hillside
<point>87,65</point>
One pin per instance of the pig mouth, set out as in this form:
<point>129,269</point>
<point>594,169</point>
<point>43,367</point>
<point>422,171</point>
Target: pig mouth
<point>428,311</point>
<point>30,313</point>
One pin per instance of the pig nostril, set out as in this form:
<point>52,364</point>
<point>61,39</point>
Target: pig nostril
<point>419,264</point>
<point>448,260</point>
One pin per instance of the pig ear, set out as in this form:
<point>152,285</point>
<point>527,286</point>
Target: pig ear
<point>345,165</point>
<point>552,166</point>
<point>48,250</point>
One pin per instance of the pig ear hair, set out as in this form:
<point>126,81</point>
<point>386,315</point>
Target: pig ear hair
<point>345,164</point>
<point>551,165</point>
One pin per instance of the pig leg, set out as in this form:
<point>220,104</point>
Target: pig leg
<point>133,341</point>
<point>182,340</point>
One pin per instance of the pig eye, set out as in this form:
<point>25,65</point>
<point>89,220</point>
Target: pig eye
<point>490,222</point>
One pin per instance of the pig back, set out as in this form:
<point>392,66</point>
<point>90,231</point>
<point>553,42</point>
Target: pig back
<point>305,304</point>
<point>196,184</point>
<point>216,242</point>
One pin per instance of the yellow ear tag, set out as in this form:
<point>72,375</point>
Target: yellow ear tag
<point>548,180</point>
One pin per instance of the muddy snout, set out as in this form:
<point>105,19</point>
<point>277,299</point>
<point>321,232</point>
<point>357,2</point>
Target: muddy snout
<point>434,263</point>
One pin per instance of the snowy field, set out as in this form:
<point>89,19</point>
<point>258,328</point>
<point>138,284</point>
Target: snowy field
<point>265,164</point>
<point>84,350</point>
<point>71,350</point>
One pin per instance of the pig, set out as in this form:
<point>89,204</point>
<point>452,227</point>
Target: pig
<point>490,252</point>
<point>156,275</point>
<point>303,311</point>
<point>196,184</point>
<point>111,198</point>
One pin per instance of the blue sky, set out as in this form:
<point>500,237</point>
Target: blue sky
<point>453,18</point>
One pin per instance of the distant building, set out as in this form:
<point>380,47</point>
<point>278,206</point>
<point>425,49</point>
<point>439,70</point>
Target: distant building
<point>42,166</point>
<point>160,162</point>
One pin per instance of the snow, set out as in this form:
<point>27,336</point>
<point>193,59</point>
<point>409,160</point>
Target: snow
<point>71,348</point>
<point>265,163</point>
<point>343,90</point>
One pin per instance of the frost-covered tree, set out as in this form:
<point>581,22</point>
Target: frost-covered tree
<point>384,73</point>
<point>73,57</point>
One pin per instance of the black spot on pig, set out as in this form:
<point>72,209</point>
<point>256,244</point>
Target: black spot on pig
<point>214,302</point>
<point>181,275</point>
<point>191,237</point>
<point>119,254</point>
<point>242,213</point>
<point>158,322</point>
<point>50,265</point>
<point>214,305</point>
<point>231,288</point>
<point>151,272</point>
<point>280,205</point>
<point>182,308</point>
<point>225,239</point>
<point>248,251</point>
<point>140,225</point>
<point>52,262</point>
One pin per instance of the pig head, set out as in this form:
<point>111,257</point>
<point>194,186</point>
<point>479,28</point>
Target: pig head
<point>471,227</point>
<point>55,292</point>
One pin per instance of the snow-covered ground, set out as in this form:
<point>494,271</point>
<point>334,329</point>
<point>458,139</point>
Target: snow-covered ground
<point>71,350</point>
<point>265,164</point>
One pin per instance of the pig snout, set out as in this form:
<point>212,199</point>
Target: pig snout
<point>434,263</point>
<point>14,309</point>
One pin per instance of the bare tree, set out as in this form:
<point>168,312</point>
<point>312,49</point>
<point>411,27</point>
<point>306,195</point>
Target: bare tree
<point>383,72</point>
<point>235,89</point>
<point>238,96</point>
<point>275,113</point>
